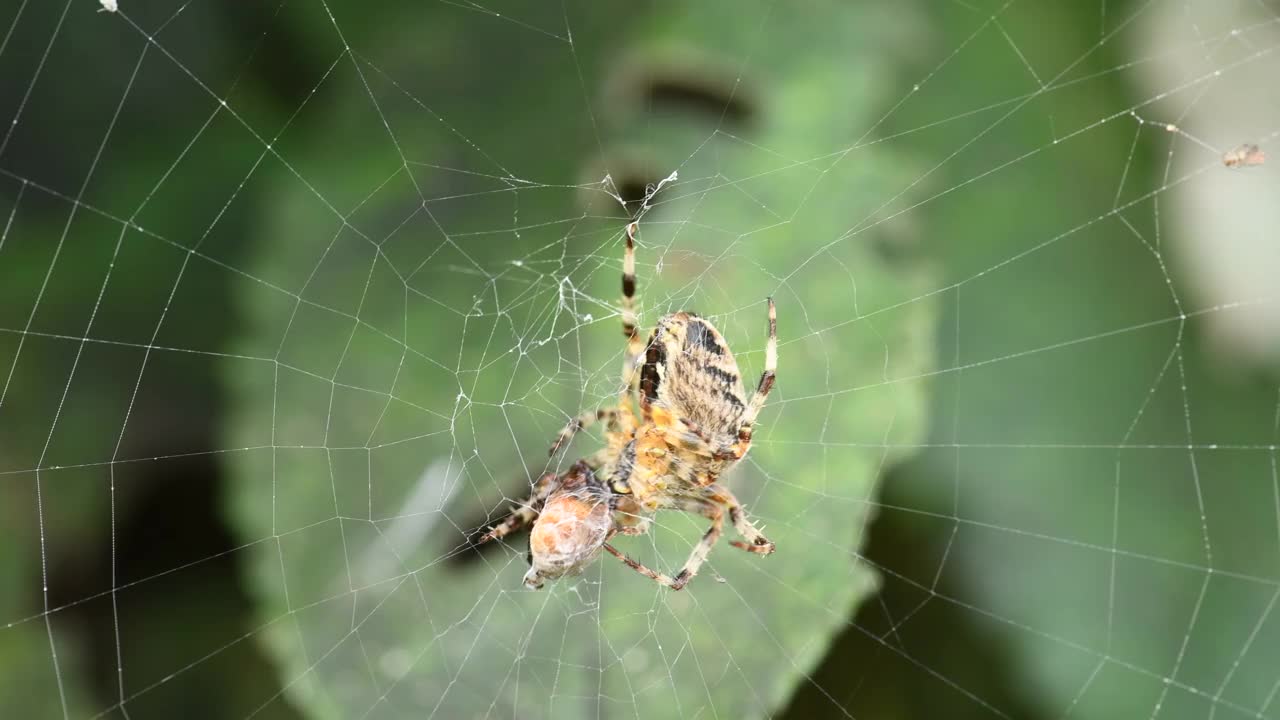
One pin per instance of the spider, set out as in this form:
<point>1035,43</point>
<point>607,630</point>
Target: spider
<point>695,422</point>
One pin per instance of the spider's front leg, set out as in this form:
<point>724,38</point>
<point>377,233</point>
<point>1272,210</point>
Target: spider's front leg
<point>524,513</point>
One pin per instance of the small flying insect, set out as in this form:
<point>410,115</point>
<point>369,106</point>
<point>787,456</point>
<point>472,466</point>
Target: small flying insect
<point>1246,155</point>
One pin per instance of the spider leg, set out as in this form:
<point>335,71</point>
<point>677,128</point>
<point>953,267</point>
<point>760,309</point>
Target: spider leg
<point>583,421</point>
<point>756,541</point>
<point>595,460</point>
<point>628,519</point>
<point>651,574</point>
<point>767,377</point>
<point>524,513</point>
<point>700,552</point>
<point>635,345</point>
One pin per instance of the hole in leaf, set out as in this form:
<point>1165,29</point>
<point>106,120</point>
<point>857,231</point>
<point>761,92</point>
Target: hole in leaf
<point>699,95</point>
<point>633,187</point>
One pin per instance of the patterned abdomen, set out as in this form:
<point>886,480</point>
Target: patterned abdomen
<point>689,371</point>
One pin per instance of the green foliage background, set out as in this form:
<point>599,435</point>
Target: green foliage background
<point>302,302</point>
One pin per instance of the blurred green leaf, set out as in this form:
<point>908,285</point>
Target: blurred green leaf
<point>83,298</point>
<point>445,299</point>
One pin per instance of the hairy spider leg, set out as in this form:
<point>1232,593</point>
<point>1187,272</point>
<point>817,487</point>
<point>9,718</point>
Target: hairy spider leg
<point>635,345</point>
<point>768,376</point>
<point>698,556</point>
<point>623,424</point>
<point>712,508</point>
<point>597,459</point>
<point>756,541</point>
<point>708,509</point>
<point>628,519</point>
<point>527,511</point>
<point>697,440</point>
<point>640,568</point>
<point>621,418</point>
<point>583,421</point>
<point>524,513</point>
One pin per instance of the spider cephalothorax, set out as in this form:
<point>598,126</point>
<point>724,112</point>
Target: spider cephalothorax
<point>695,422</point>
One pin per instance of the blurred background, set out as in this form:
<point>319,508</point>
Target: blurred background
<point>294,295</point>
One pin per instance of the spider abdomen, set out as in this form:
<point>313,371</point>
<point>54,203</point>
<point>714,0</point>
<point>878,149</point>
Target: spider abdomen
<point>689,371</point>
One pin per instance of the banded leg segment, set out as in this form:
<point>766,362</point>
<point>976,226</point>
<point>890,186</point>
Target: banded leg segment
<point>635,345</point>
<point>524,513</point>
<point>629,284</point>
<point>767,377</point>
<point>712,511</point>
<point>581,422</point>
<point>628,519</point>
<point>640,568</point>
<point>756,542</point>
<point>706,508</point>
